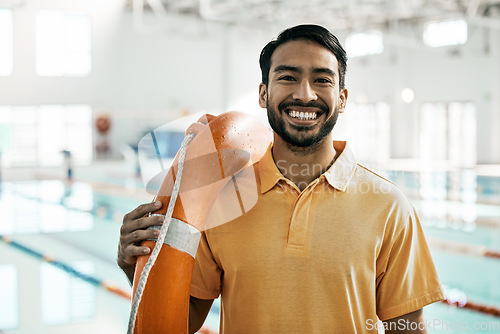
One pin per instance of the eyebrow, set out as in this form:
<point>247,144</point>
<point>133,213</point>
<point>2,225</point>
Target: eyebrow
<point>324,70</point>
<point>283,68</point>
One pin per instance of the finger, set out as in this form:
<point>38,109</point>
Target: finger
<point>136,237</point>
<point>147,221</point>
<point>133,251</point>
<point>141,210</point>
<point>141,224</point>
<point>135,248</point>
<point>129,254</point>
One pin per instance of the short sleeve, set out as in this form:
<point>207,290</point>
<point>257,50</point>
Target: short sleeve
<point>407,279</point>
<point>206,281</point>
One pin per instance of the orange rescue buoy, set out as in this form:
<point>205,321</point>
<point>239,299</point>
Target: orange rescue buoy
<point>222,148</point>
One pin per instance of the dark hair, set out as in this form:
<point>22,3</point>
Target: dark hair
<point>310,32</point>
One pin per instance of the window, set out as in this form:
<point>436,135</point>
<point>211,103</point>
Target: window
<point>23,137</point>
<point>363,44</point>
<point>433,128</point>
<point>64,128</point>
<point>366,127</point>
<point>448,133</point>
<point>445,33</point>
<point>63,44</point>
<point>462,134</point>
<point>448,139</point>
<point>35,136</point>
<point>6,42</point>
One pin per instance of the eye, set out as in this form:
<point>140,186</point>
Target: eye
<point>286,78</point>
<point>323,80</point>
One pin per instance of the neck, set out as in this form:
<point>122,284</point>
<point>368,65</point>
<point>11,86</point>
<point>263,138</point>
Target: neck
<point>302,165</point>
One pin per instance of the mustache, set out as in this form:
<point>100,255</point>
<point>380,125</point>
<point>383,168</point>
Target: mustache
<point>313,104</point>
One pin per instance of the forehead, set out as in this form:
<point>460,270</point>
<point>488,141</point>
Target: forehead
<point>304,53</point>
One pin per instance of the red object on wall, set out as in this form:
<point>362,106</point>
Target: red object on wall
<point>103,123</point>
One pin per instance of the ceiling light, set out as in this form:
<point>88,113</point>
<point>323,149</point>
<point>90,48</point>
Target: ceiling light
<point>408,95</point>
<point>445,33</point>
<point>363,44</point>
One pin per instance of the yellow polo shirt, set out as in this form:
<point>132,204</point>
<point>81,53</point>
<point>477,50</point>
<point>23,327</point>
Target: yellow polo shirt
<point>346,251</point>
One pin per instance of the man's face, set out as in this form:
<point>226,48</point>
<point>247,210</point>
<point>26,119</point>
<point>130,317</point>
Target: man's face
<point>302,98</point>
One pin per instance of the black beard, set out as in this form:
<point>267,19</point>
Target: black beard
<point>300,141</point>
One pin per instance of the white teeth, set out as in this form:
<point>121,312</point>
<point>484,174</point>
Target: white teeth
<point>302,115</point>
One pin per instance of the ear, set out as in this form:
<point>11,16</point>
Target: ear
<point>262,95</point>
<point>343,99</point>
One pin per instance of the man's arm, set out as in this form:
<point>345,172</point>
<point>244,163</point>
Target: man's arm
<point>413,323</point>
<point>198,311</point>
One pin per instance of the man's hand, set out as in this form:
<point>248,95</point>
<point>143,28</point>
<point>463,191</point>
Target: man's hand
<point>133,232</point>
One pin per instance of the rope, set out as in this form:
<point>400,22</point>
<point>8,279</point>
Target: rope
<point>463,248</point>
<point>481,308</point>
<point>109,286</point>
<point>161,238</point>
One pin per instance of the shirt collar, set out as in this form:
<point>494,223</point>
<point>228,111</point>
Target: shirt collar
<point>338,175</point>
<point>342,170</point>
<point>268,172</point>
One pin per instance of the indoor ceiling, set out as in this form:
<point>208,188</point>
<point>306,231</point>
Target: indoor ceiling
<point>344,14</point>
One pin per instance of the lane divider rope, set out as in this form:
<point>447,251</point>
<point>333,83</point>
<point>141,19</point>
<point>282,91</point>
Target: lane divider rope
<point>105,284</point>
<point>481,308</point>
<point>463,248</point>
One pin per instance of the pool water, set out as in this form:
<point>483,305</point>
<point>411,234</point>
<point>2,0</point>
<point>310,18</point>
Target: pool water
<point>76,225</point>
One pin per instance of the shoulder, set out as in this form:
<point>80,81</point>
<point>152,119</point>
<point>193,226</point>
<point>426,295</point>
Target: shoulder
<point>378,190</point>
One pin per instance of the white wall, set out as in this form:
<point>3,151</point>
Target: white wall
<point>141,79</point>
<point>145,79</point>
<point>435,75</point>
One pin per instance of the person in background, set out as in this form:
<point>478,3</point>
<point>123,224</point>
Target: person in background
<point>68,164</point>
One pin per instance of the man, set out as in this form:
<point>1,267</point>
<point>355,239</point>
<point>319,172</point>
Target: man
<point>330,246</point>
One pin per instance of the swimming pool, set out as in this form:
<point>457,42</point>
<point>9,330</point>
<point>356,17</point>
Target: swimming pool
<point>51,227</point>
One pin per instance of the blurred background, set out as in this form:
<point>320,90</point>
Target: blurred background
<point>81,82</point>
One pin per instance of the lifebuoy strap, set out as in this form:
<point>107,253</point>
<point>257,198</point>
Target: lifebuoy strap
<point>180,235</point>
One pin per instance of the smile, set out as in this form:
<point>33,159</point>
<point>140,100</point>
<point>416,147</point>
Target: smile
<point>305,116</point>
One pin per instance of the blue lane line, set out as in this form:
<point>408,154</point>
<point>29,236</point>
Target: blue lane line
<point>92,280</point>
<point>54,262</point>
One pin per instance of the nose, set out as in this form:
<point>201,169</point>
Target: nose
<point>305,92</point>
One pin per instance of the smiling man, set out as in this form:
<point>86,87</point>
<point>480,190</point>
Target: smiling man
<point>330,246</point>
<point>303,97</point>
